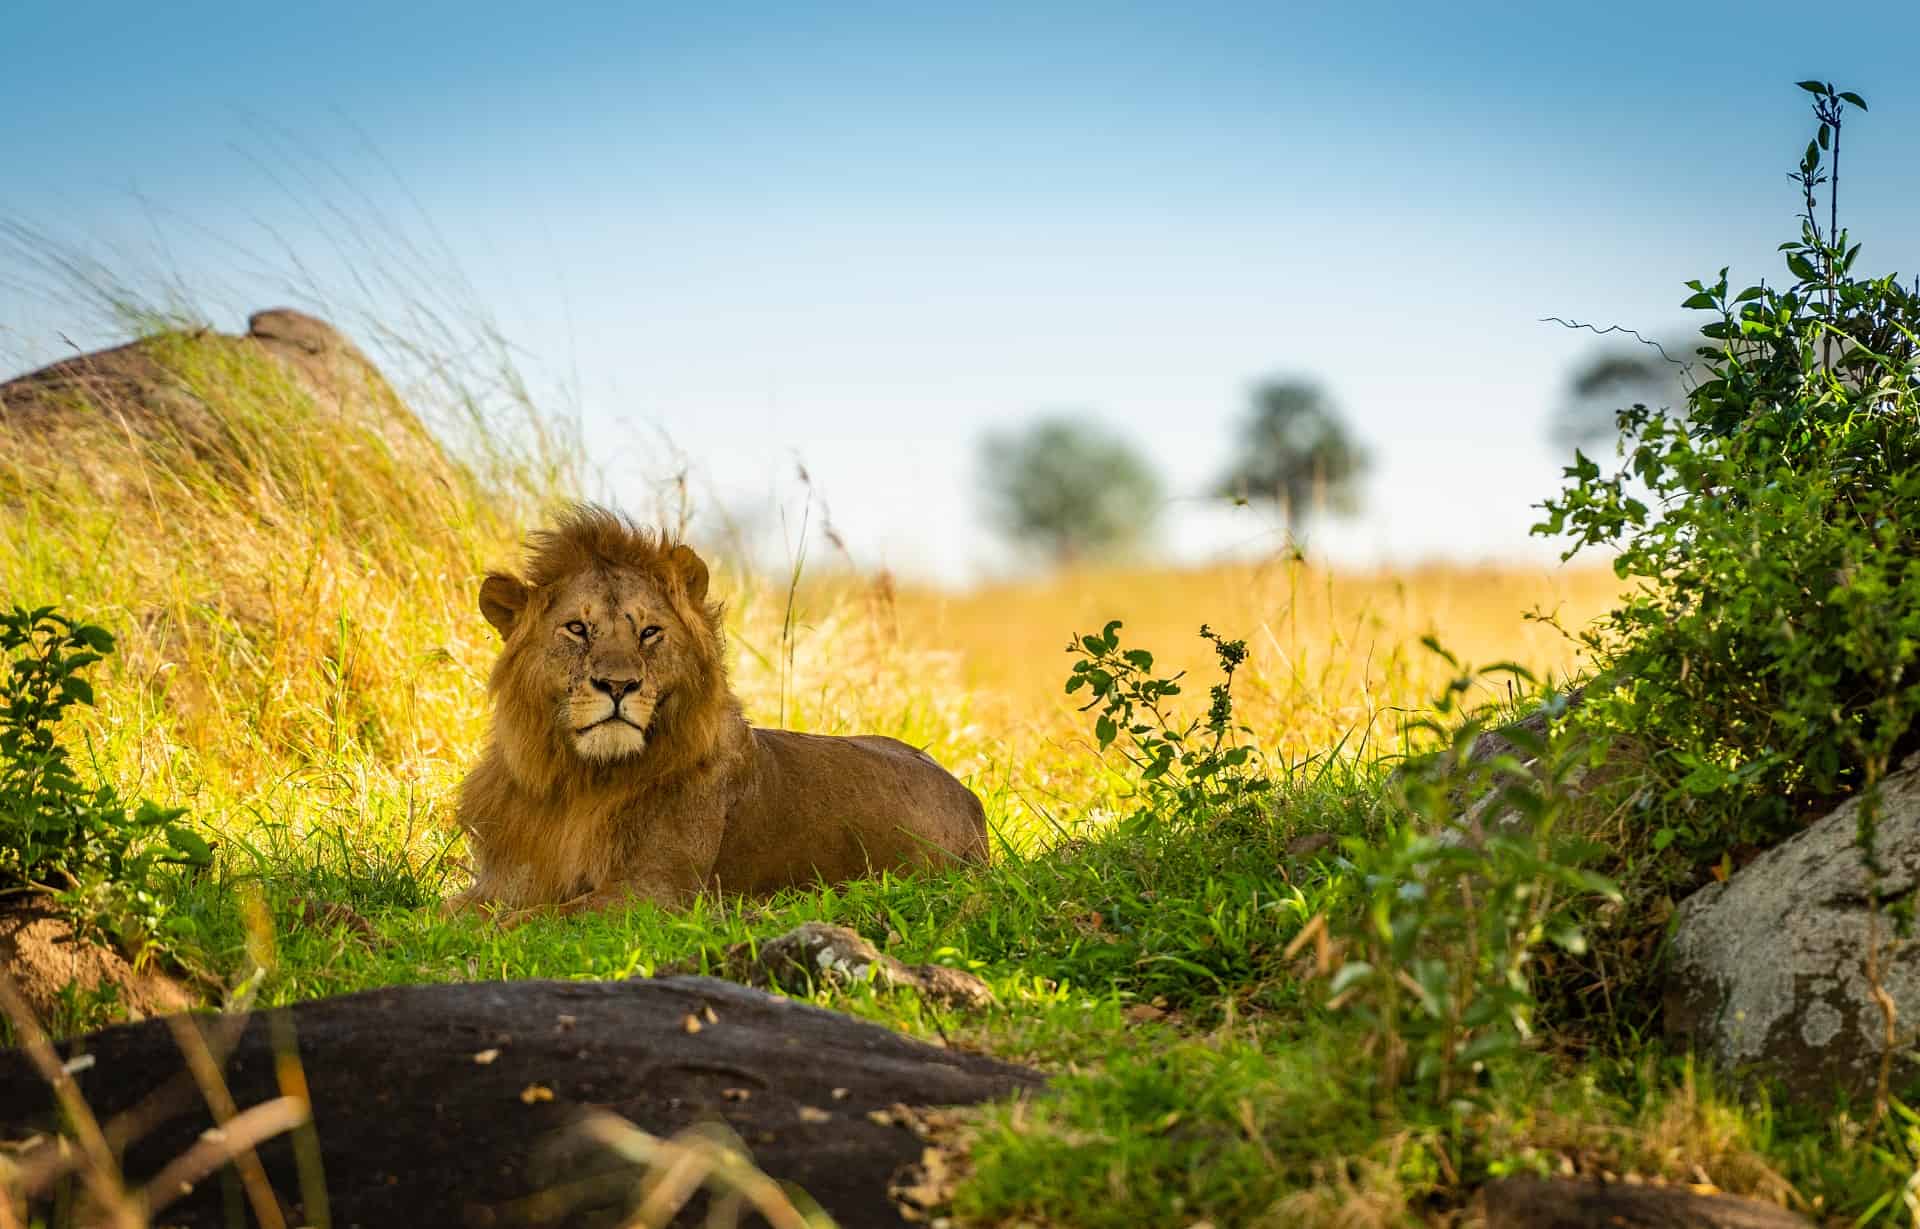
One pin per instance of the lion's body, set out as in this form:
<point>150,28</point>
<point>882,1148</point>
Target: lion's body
<point>620,766</point>
<point>853,793</point>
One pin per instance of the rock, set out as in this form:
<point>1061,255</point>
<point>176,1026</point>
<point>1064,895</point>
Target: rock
<point>1477,818</point>
<point>1312,844</point>
<point>450,1105</point>
<point>1498,741</point>
<point>1766,972</point>
<point>43,956</point>
<point>813,953</point>
<point>159,386</point>
<point>1586,1203</point>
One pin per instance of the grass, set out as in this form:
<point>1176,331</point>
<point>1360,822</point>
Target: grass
<point>302,665</point>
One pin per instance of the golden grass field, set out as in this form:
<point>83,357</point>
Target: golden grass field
<point>301,663</point>
<point>300,649</point>
<point>1330,650</point>
<point>1335,657</point>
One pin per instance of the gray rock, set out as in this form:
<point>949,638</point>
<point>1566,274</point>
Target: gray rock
<point>1767,971</point>
<point>1498,741</point>
<point>819,953</point>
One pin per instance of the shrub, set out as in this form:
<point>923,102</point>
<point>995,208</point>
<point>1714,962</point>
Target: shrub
<point>1766,662</point>
<point>56,833</point>
<point>1439,934</point>
<point>1445,925</point>
<point>1196,768</point>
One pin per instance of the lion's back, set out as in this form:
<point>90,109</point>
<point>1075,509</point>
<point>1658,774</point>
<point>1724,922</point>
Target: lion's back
<point>837,807</point>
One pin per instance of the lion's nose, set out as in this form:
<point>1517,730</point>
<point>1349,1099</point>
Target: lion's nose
<point>615,688</point>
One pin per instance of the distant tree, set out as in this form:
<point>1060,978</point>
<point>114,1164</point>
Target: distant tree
<point>1296,453</point>
<point>1652,374</point>
<point>1068,488</point>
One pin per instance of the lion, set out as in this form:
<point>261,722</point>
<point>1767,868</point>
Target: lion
<point>619,766</point>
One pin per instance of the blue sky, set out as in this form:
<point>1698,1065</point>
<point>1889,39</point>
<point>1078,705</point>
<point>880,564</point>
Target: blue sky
<point>862,235</point>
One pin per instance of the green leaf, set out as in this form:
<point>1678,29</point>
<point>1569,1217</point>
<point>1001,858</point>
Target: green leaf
<point>99,639</point>
<point>189,845</point>
<point>1568,938</point>
<point>1105,730</point>
<point>1348,975</point>
<point>1813,87</point>
<point>1855,99</point>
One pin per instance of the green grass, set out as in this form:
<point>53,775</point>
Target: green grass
<point>1197,1075</point>
<point>301,665</point>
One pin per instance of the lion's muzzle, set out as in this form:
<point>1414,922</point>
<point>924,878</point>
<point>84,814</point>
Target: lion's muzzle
<point>609,718</point>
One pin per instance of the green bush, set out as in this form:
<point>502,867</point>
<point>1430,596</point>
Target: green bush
<point>56,833</point>
<point>1439,936</point>
<point>1446,923</point>
<point>1765,664</point>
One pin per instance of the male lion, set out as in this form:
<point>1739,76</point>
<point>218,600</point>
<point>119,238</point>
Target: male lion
<point>619,764</point>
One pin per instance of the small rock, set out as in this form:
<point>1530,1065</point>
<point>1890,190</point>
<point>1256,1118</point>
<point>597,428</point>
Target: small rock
<point>1585,1203</point>
<point>1307,844</point>
<point>814,953</point>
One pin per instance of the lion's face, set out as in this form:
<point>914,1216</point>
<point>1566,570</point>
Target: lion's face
<point>604,654</point>
<point>609,654</point>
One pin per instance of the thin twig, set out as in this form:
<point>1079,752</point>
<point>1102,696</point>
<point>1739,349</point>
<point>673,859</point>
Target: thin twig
<point>101,1171</point>
<point>219,1098</point>
<point>719,1165</point>
<point>1614,328</point>
<point>233,1142</point>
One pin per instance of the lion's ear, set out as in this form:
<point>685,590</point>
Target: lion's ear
<point>692,571</point>
<point>502,598</point>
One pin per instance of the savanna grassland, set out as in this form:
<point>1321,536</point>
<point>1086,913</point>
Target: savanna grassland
<point>1216,912</point>
<point>300,664</point>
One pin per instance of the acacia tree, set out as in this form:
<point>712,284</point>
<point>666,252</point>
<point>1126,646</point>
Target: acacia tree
<point>1296,453</point>
<point>1068,488</point>
<point>1652,374</point>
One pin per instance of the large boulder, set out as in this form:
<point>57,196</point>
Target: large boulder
<point>452,1105</point>
<point>1767,971</point>
<point>163,385</point>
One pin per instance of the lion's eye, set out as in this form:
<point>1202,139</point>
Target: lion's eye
<point>577,629</point>
<point>650,634</point>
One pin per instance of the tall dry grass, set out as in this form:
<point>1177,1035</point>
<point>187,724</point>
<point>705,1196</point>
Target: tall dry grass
<point>301,658</point>
<point>300,654</point>
<point>1336,660</point>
